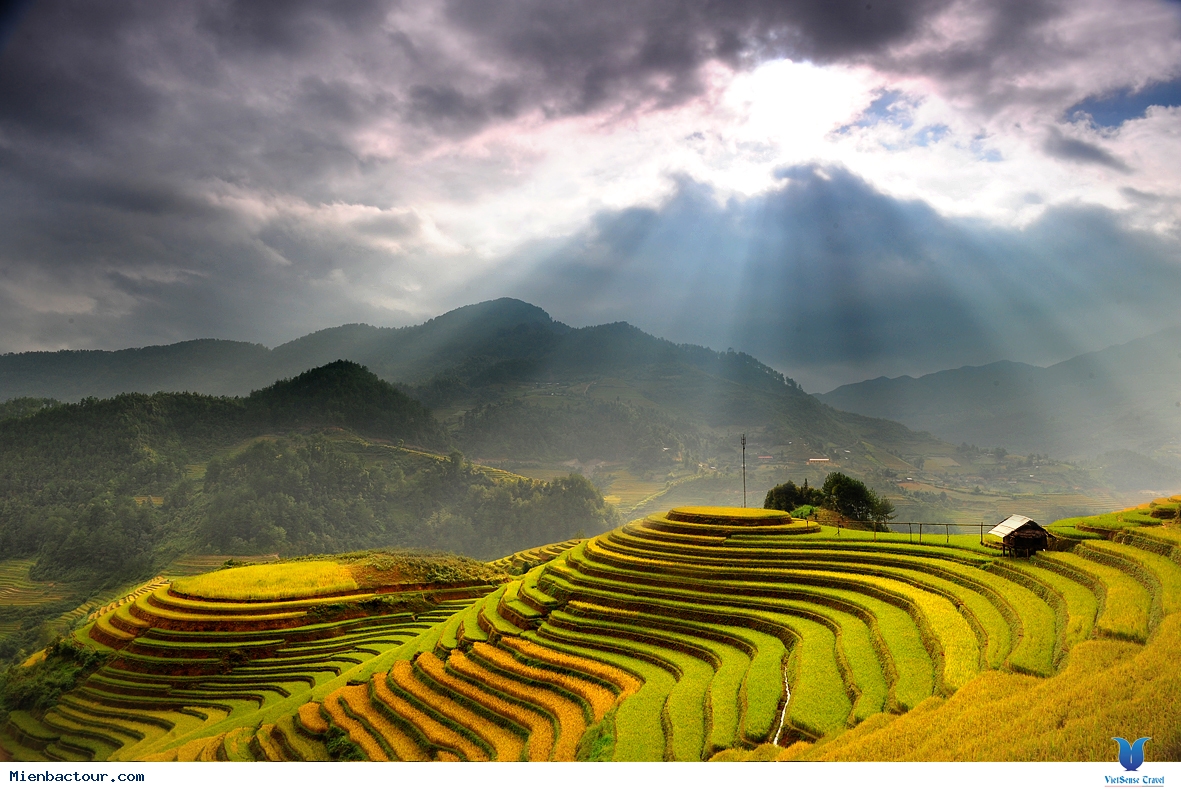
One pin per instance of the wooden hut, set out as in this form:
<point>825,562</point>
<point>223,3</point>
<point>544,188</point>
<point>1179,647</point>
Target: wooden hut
<point>1021,536</point>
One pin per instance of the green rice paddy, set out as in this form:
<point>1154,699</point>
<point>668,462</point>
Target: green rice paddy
<point>680,636</point>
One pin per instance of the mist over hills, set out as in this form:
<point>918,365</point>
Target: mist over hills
<point>474,356</point>
<point>493,330</point>
<point>1120,406</point>
<point>643,417</point>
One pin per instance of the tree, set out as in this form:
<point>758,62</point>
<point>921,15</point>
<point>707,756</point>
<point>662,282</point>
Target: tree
<point>851,498</point>
<point>787,496</point>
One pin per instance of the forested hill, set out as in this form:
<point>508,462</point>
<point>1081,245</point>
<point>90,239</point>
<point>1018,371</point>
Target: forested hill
<point>110,489</point>
<point>138,442</point>
<point>345,394</point>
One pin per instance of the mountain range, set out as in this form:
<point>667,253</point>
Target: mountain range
<point>477,355</point>
<point>1120,406</point>
<point>638,414</point>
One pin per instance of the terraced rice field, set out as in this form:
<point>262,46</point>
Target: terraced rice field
<point>739,628</point>
<point>533,556</point>
<point>693,634</point>
<point>19,590</point>
<point>192,677</point>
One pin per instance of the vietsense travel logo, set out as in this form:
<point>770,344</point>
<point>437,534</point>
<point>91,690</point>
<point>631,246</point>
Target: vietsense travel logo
<point>1131,756</point>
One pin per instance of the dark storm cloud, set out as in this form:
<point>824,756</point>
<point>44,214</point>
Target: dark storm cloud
<point>1074,150</point>
<point>75,67</point>
<point>11,12</point>
<point>1012,44</point>
<point>580,56</point>
<point>832,281</point>
<point>290,28</point>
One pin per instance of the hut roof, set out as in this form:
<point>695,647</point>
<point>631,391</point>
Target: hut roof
<point>1012,524</point>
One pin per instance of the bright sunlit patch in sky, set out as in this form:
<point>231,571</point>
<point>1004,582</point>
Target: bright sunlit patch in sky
<point>798,104</point>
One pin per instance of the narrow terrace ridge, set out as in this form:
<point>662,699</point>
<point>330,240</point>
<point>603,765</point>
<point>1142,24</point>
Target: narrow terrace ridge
<point>725,515</point>
<point>724,522</point>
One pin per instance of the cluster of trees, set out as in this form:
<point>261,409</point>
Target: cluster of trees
<point>24,405</point>
<point>788,497</point>
<point>841,493</point>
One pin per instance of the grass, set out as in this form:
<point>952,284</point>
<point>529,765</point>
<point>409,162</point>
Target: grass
<point>692,664</point>
<point>1082,606</point>
<point>622,682</point>
<point>514,609</point>
<point>567,715</point>
<point>1165,576</point>
<point>350,710</point>
<point>232,676</point>
<point>530,558</point>
<point>597,698</point>
<point>429,732</point>
<point>1035,651</point>
<point>906,646</point>
<point>724,693</point>
<point>489,618</point>
<point>531,722</point>
<point>1115,521</point>
<point>819,703</point>
<point>725,515</point>
<point>17,589</point>
<point>627,490</point>
<point>855,645</point>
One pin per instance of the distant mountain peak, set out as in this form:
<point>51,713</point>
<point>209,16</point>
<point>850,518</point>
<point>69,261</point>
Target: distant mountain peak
<point>498,312</point>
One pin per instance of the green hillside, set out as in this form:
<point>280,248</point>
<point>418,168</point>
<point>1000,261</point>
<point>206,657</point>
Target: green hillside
<point>100,493</point>
<point>699,633</point>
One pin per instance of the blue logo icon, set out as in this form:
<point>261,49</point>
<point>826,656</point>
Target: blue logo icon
<point>1131,756</point>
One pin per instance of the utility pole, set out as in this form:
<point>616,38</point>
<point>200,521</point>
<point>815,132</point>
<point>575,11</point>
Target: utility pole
<point>744,470</point>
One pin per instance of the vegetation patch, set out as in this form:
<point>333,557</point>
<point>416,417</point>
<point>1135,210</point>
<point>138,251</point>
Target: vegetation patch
<point>37,687</point>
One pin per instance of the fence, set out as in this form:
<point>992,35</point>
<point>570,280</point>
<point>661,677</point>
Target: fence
<point>910,529</point>
<point>945,526</point>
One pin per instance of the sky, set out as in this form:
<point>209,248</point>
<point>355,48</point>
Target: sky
<point>843,189</point>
